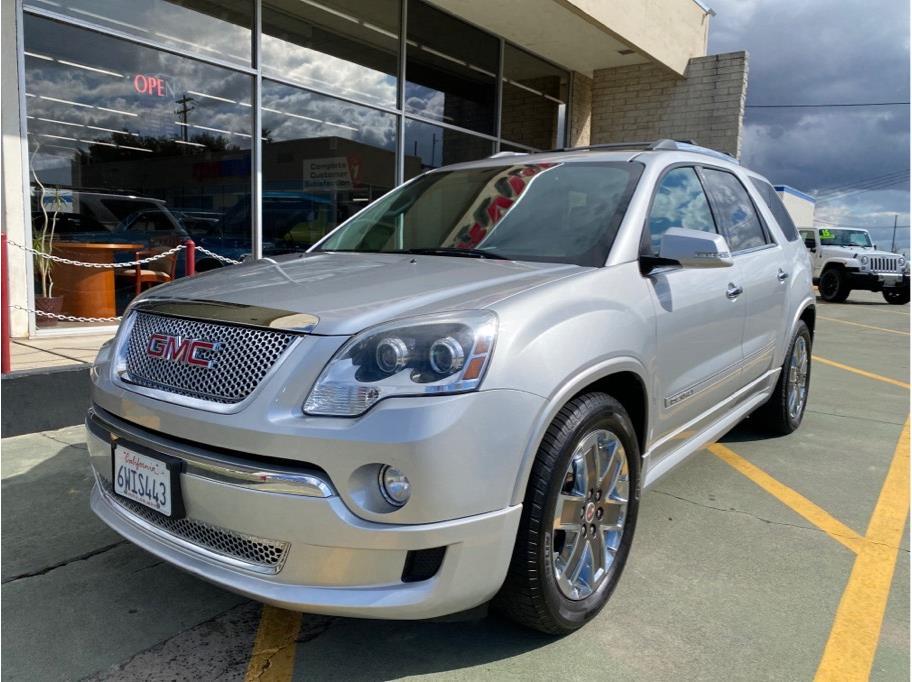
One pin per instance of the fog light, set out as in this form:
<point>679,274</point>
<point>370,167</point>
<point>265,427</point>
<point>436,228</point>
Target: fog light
<point>394,486</point>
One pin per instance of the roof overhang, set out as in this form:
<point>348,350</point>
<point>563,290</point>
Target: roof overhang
<point>585,35</point>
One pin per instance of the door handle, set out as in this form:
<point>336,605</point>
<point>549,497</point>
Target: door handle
<point>783,275</point>
<point>733,291</point>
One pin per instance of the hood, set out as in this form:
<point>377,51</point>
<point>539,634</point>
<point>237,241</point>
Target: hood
<point>348,292</point>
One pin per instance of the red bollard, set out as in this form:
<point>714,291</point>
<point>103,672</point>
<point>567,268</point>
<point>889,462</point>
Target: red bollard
<point>191,257</point>
<point>5,305</point>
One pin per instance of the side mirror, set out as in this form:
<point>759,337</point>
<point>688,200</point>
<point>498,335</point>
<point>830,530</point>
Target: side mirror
<point>810,244</point>
<point>695,248</point>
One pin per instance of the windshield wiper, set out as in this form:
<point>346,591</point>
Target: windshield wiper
<point>451,251</point>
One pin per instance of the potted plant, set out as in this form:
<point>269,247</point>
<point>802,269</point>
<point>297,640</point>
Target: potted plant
<point>43,244</point>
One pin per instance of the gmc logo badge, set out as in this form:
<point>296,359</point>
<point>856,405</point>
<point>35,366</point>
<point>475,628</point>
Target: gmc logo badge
<point>184,351</point>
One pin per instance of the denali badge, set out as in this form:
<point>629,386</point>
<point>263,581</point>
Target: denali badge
<point>177,349</point>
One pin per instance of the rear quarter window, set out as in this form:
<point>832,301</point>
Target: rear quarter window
<point>777,208</point>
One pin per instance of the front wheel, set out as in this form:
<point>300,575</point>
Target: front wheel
<point>834,286</point>
<point>896,295</point>
<point>783,412</point>
<point>578,518</point>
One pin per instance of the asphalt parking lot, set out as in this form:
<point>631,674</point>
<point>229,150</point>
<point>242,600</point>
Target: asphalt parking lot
<point>759,558</point>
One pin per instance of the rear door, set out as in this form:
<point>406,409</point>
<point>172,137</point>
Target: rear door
<point>762,264</point>
<point>699,322</point>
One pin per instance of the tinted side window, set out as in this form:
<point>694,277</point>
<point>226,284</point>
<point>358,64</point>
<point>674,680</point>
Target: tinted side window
<point>679,202</point>
<point>778,209</point>
<point>735,211</point>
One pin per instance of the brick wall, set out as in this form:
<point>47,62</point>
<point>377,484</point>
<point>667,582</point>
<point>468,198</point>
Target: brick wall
<point>580,110</point>
<point>527,117</point>
<point>646,102</point>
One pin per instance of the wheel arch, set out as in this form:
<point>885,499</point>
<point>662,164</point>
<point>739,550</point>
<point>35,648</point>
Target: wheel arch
<point>621,378</point>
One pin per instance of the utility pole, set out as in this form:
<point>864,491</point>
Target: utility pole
<point>182,111</point>
<point>893,243</point>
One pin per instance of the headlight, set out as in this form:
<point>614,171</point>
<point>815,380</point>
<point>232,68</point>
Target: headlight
<point>433,355</point>
<point>864,261</point>
<point>902,262</point>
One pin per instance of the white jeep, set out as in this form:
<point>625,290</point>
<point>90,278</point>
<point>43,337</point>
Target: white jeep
<point>844,259</point>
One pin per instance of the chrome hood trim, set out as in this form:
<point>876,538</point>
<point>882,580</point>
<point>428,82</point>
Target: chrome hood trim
<point>229,313</point>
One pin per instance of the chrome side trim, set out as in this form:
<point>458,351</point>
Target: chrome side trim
<point>721,375</point>
<point>703,385</point>
<point>178,542</point>
<point>229,313</point>
<point>760,355</point>
<point>219,468</point>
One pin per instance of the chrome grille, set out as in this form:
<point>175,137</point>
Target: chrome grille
<point>243,357</point>
<point>884,264</point>
<point>262,555</point>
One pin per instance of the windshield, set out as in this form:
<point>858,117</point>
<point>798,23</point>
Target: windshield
<point>830,237</point>
<point>552,212</point>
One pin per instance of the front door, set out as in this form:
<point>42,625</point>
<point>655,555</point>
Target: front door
<point>764,270</point>
<point>699,319</point>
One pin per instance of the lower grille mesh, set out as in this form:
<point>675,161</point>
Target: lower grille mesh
<point>263,555</point>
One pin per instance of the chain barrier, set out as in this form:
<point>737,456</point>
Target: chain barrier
<point>66,318</point>
<point>103,266</point>
<point>218,256</point>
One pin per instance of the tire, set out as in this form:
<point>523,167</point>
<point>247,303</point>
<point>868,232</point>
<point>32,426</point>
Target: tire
<point>777,415</point>
<point>834,286</point>
<point>532,593</point>
<point>896,295</point>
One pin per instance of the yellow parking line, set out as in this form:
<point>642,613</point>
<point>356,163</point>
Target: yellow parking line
<point>850,649</point>
<point>861,372</point>
<point>866,326</point>
<point>795,501</point>
<point>273,654</point>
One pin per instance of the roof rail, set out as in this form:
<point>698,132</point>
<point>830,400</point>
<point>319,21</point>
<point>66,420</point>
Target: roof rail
<point>654,145</point>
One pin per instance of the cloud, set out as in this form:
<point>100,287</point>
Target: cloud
<point>817,51</point>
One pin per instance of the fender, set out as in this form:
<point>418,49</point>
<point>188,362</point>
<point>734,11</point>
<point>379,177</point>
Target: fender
<point>585,375</point>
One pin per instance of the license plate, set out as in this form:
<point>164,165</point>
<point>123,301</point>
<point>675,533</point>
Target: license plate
<point>150,480</point>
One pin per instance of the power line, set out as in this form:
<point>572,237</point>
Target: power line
<point>834,189</point>
<point>827,105</point>
<point>872,187</point>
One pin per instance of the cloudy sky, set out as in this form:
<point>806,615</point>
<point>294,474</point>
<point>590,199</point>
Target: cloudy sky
<point>820,51</point>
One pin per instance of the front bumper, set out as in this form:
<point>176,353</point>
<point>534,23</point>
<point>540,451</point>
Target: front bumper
<point>333,562</point>
<point>877,281</point>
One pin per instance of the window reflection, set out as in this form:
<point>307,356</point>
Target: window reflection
<point>346,47</point>
<point>130,149</point>
<point>534,107</point>
<point>218,30</point>
<point>323,160</point>
<point>428,146</point>
<point>451,69</point>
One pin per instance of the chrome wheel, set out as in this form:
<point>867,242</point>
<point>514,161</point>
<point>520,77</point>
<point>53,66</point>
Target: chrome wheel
<point>798,378</point>
<point>589,515</point>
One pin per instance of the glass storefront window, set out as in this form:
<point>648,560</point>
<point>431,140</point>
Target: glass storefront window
<point>131,150</point>
<point>345,47</point>
<point>451,70</point>
<point>218,30</point>
<point>323,160</point>
<point>428,146</point>
<point>534,110</point>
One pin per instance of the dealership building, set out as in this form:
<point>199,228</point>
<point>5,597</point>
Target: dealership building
<point>255,126</point>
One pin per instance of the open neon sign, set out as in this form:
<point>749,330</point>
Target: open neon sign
<point>149,85</point>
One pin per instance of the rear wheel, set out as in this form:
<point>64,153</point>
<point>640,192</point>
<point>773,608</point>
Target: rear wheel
<point>783,412</point>
<point>834,286</point>
<point>578,518</point>
<point>896,296</point>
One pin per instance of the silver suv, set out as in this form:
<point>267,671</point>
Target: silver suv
<point>460,394</point>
